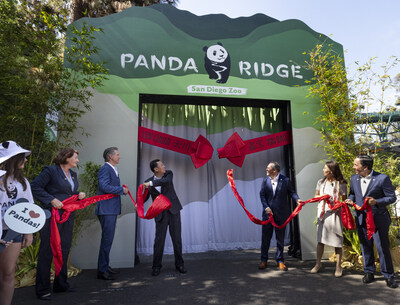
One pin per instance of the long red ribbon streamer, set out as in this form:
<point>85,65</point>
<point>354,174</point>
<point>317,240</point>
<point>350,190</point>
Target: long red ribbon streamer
<point>347,218</point>
<point>71,204</point>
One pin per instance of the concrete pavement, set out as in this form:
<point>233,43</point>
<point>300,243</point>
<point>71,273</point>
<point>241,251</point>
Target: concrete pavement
<point>228,277</point>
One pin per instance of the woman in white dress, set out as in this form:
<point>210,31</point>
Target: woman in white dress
<point>330,226</point>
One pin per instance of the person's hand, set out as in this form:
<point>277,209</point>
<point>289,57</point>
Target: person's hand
<point>57,204</point>
<point>299,201</point>
<point>81,195</point>
<point>371,201</point>
<point>268,211</point>
<point>6,243</point>
<point>126,190</point>
<point>27,240</point>
<point>146,184</point>
<point>349,202</point>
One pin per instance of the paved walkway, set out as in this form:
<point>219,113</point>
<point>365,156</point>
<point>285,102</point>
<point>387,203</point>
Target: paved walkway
<point>229,277</point>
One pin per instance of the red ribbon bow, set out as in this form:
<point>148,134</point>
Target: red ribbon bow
<point>235,149</point>
<point>200,150</point>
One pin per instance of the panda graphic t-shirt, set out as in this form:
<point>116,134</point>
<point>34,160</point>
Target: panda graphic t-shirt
<point>16,191</point>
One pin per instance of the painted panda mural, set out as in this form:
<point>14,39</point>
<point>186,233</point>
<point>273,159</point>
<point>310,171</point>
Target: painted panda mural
<point>217,62</point>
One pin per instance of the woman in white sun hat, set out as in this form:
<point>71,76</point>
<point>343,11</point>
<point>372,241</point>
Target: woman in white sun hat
<point>14,186</point>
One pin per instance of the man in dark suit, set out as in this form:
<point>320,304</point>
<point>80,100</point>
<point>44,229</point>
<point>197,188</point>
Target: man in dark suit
<point>368,183</point>
<point>107,210</point>
<point>161,183</point>
<point>275,192</point>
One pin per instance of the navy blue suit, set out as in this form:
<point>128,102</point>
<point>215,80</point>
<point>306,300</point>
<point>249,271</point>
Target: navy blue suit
<point>171,218</point>
<point>381,189</point>
<point>107,211</point>
<point>52,183</point>
<point>281,209</point>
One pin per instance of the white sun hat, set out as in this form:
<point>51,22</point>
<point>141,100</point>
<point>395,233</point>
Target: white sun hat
<point>10,149</point>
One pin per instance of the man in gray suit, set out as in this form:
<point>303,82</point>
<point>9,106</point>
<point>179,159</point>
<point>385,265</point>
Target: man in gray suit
<point>161,183</point>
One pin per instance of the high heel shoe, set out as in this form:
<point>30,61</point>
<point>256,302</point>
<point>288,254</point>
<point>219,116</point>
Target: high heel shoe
<point>316,269</point>
<point>339,273</point>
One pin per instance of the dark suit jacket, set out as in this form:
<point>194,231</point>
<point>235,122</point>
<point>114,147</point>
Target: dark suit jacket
<point>52,183</point>
<point>109,183</point>
<point>380,188</point>
<point>167,189</point>
<point>280,202</point>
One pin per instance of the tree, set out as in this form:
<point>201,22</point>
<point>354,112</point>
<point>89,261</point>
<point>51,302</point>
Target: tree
<point>336,120</point>
<point>35,87</point>
<point>344,107</point>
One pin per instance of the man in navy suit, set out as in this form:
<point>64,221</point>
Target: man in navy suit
<point>368,183</point>
<point>107,210</point>
<point>276,189</point>
<point>161,183</point>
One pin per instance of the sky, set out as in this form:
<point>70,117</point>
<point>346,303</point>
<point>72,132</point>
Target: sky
<point>365,28</point>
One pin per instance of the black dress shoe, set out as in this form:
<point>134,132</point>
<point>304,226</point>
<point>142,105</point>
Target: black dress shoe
<point>391,283</point>
<point>112,271</point>
<point>45,297</point>
<point>105,276</point>
<point>181,269</point>
<point>156,271</point>
<point>368,278</point>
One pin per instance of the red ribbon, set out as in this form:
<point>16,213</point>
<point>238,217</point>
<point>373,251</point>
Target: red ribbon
<point>160,204</point>
<point>200,151</point>
<point>370,216</point>
<point>347,217</point>
<point>71,204</point>
<point>235,149</point>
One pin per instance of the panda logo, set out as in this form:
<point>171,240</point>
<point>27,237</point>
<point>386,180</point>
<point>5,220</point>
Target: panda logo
<point>217,62</point>
<point>12,190</point>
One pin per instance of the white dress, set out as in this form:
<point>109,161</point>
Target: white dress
<point>330,225</point>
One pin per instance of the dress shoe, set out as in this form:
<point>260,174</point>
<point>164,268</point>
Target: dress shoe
<point>262,265</point>
<point>181,269</point>
<point>156,271</point>
<point>282,267</point>
<point>316,269</point>
<point>391,283</point>
<point>45,297</point>
<point>112,271</point>
<point>368,278</point>
<point>105,276</point>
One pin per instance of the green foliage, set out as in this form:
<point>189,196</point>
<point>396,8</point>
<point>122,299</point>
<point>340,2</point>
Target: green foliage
<point>88,184</point>
<point>351,239</point>
<point>27,260</point>
<point>88,179</point>
<point>38,95</point>
<point>337,118</point>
